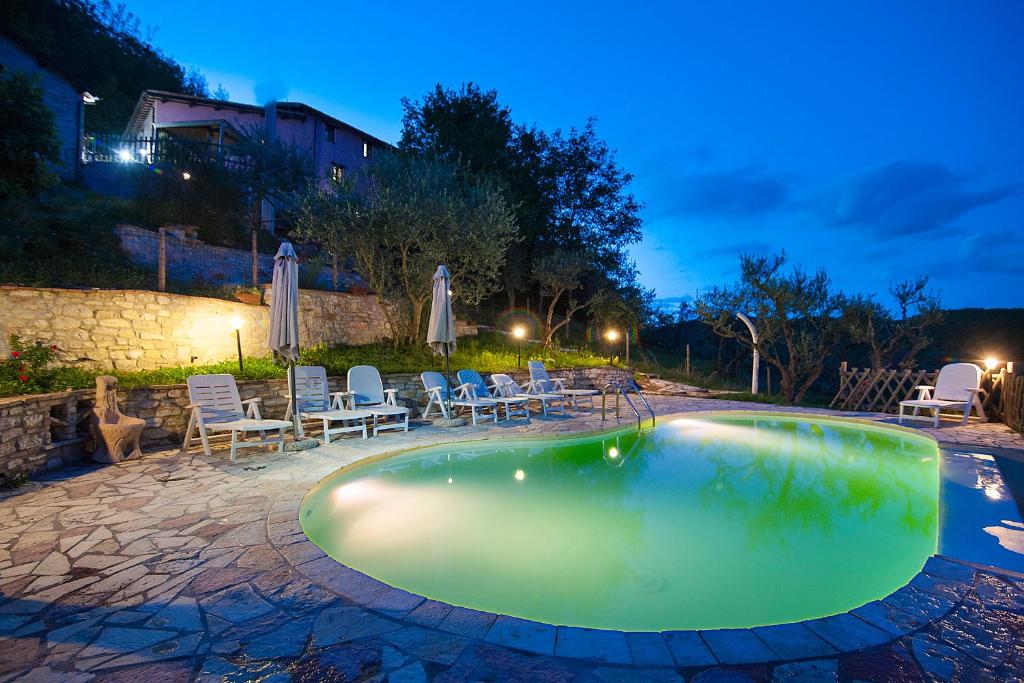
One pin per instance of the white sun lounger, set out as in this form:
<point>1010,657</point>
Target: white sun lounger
<point>316,402</point>
<point>957,386</point>
<point>475,382</point>
<point>436,387</point>
<point>546,384</point>
<point>216,407</point>
<point>510,388</point>
<point>367,392</point>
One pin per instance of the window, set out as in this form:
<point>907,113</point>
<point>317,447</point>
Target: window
<point>366,150</point>
<point>330,133</point>
<point>337,172</point>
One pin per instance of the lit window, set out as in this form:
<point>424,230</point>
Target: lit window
<point>330,133</point>
<point>366,150</point>
<point>337,172</point>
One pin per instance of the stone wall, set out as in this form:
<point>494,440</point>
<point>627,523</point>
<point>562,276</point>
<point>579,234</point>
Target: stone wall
<point>60,96</point>
<point>134,329</point>
<point>45,432</point>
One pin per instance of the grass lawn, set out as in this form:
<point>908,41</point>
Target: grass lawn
<point>486,354</point>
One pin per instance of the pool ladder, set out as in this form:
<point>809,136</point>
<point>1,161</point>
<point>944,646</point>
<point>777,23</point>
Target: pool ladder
<point>622,387</point>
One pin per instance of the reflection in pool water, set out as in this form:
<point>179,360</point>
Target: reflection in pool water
<point>711,522</point>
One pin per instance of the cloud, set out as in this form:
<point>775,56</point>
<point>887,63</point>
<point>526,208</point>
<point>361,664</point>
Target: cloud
<point>905,197</point>
<point>736,249</point>
<point>738,193</point>
<point>994,252</point>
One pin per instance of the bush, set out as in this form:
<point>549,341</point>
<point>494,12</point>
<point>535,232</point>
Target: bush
<point>25,370</point>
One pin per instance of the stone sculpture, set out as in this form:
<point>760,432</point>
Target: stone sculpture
<point>116,436</point>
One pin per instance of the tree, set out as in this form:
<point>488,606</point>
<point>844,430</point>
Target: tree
<point>402,215</point>
<point>99,47</point>
<point>466,127</point>
<point>272,170</point>
<point>28,138</point>
<point>566,188</point>
<point>221,93</point>
<point>559,273</point>
<point>799,318</point>
<point>898,340</point>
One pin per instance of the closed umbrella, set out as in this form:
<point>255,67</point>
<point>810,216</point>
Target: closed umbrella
<point>283,337</point>
<point>441,327</point>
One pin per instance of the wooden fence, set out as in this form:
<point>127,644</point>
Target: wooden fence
<point>1012,405</point>
<point>880,391</point>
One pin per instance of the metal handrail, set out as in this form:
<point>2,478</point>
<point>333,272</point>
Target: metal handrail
<point>621,388</point>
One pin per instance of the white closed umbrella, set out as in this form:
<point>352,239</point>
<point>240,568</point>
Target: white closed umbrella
<point>441,326</point>
<point>283,337</point>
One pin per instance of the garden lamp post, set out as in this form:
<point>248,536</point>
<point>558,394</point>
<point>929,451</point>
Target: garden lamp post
<point>757,356</point>
<point>612,336</point>
<point>519,332</point>
<point>236,325</point>
<point>185,177</point>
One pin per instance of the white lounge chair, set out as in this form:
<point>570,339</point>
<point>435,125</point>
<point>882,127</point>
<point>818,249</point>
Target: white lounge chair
<point>436,387</point>
<point>316,402</point>
<point>367,392</point>
<point>548,385</point>
<point>216,407</point>
<point>479,389</point>
<point>958,386</point>
<point>510,388</point>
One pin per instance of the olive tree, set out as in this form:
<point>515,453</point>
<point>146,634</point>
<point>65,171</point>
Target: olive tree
<point>893,340</point>
<point>800,319</point>
<point>402,215</point>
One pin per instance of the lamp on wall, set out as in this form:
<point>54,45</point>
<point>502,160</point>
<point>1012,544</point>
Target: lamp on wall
<point>236,325</point>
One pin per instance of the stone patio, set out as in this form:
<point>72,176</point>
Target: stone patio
<point>184,567</point>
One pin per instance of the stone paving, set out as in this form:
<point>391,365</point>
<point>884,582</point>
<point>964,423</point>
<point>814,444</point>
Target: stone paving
<point>184,567</point>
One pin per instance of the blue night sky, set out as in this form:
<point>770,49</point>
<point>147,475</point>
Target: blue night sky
<point>878,140</point>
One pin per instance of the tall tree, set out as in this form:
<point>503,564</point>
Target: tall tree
<point>401,216</point>
<point>798,316</point>
<point>28,139</point>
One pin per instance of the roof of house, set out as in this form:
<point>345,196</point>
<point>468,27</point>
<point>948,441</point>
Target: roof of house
<point>284,110</point>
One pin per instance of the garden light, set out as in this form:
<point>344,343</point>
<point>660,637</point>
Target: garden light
<point>612,336</point>
<point>186,176</point>
<point>519,332</point>
<point>124,155</point>
<point>991,364</point>
<point>236,325</point>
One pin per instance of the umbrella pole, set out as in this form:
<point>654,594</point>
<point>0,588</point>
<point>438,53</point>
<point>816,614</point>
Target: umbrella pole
<point>447,383</point>
<point>295,405</point>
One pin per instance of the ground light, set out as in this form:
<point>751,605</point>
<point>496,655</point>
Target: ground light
<point>519,332</point>
<point>612,336</point>
<point>236,325</point>
<point>991,364</point>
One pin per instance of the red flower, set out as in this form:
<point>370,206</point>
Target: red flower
<point>53,347</point>
<point>22,370</point>
<point>23,378</point>
<point>15,354</point>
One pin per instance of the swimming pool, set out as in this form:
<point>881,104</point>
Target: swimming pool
<point>711,521</point>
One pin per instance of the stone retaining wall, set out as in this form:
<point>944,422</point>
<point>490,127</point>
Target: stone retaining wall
<point>131,329</point>
<point>31,441</point>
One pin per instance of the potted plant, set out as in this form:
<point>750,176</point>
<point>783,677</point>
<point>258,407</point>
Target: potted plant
<point>249,295</point>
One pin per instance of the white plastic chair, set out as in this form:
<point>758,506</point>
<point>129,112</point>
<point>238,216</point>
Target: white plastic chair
<point>316,402</point>
<point>957,386</point>
<point>479,389</point>
<point>510,388</point>
<point>546,384</point>
<point>436,387</point>
<point>216,407</point>
<point>367,392</point>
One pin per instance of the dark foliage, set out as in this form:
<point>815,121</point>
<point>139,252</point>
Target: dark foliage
<point>28,140</point>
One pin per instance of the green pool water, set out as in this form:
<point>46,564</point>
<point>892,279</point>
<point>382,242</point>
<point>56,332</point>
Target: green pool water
<point>704,522</point>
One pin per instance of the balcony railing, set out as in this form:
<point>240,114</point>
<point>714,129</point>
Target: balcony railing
<point>112,148</point>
